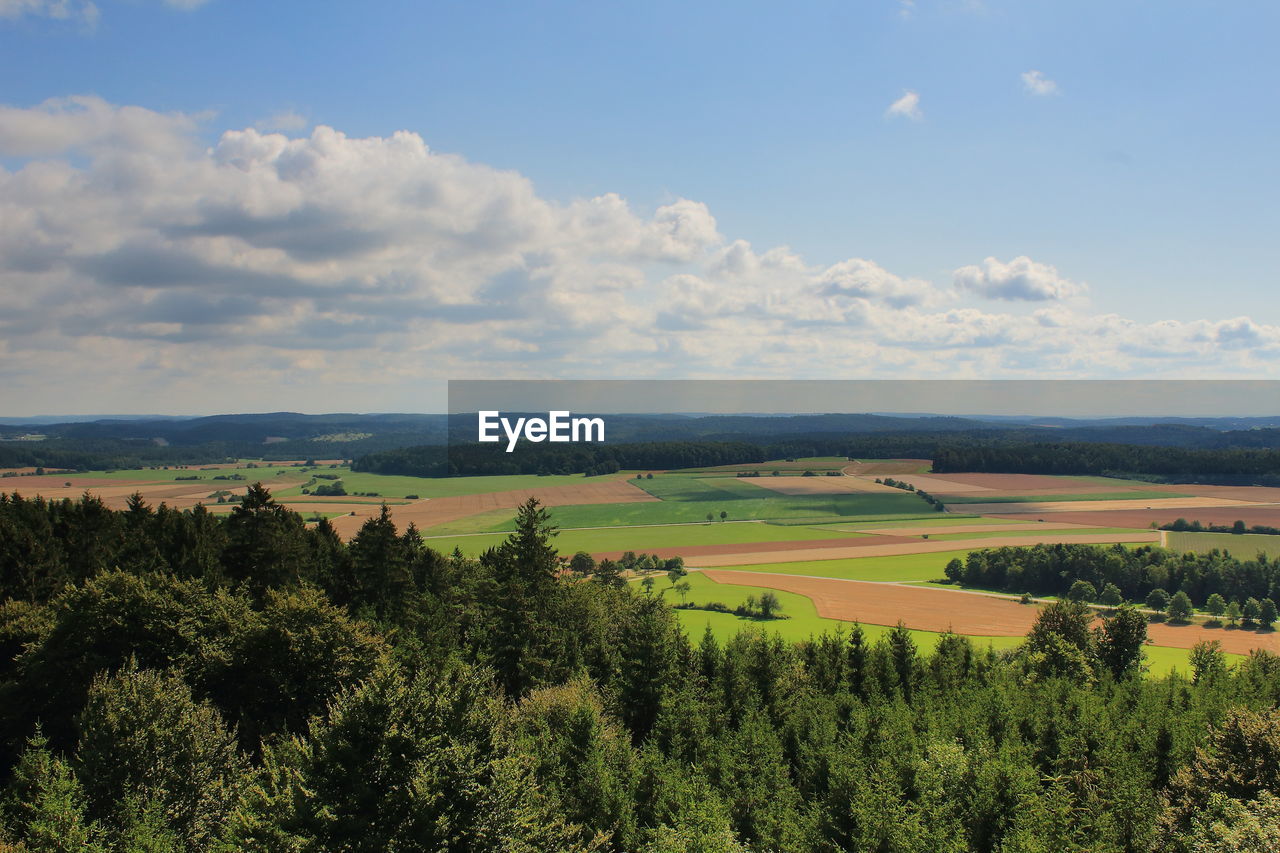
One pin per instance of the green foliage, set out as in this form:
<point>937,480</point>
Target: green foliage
<point>144,739</point>
<point>1157,600</point>
<point>426,762</point>
<point>1180,608</point>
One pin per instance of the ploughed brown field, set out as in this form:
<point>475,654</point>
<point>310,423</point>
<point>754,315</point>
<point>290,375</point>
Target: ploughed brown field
<point>426,513</point>
<point>822,485</point>
<point>794,552</point>
<point>975,614</point>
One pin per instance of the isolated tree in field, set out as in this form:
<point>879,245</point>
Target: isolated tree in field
<point>683,589</point>
<point>1082,590</point>
<point>769,605</point>
<point>723,515</point>
<point>1157,600</point>
<point>1233,612</point>
<point>1111,595</point>
<point>647,583</point>
<point>1251,611</point>
<point>1180,608</point>
<point>1267,613</point>
<point>582,563</point>
<point>675,573</point>
<point>1216,605</point>
<point>711,516</point>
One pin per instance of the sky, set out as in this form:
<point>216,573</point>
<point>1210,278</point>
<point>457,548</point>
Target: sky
<point>228,206</point>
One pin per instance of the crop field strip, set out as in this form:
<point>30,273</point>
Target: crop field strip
<point>869,548</point>
<point>978,614</point>
<point>802,622</point>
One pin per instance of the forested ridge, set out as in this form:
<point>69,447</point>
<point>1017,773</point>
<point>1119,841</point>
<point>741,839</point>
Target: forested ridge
<point>1228,465</point>
<point>176,681</point>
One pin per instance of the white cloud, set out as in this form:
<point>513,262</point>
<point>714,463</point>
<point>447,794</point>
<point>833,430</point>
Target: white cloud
<point>1020,279</point>
<point>84,11</point>
<point>142,269</point>
<point>1038,84</point>
<point>62,10</point>
<point>908,106</point>
<point>285,120</point>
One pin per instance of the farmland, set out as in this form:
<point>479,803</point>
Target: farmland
<point>806,537</point>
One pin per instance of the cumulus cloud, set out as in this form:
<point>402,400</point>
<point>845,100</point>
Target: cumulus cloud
<point>1020,279</point>
<point>908,106</point>
<point>142,268</point>
<point>1038,84</point>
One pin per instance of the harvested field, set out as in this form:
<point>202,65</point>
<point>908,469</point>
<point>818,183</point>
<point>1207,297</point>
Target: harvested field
<point>1103,517</point>
<point>817,485</point>
<point>1001,525</point>
<point>939,485</point>
<point>1042,507</point>
<point>888,467</point>
<point>115,492</point>
<point>753,549</point>
<point>1254,494</point>
<point>921,608</point>
<point>1042,482</point>
<point>426,513</point>
<point>977,614</point>
<point>913,546</point>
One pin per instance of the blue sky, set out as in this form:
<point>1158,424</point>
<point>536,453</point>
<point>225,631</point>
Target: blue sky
<point>1102,171</point>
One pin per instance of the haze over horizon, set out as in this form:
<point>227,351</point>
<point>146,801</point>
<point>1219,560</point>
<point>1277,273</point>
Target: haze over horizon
<point>302,208</point>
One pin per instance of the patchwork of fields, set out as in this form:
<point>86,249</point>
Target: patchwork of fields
<point>832,548</point>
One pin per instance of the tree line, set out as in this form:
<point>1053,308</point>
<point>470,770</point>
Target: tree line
<point>180,681</point>
<point>1225,466</point>
<point>1053,569</point>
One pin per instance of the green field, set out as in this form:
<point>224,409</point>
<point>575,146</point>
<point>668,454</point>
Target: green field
<point>1244,546</point>
<point>650,537</point>
<point>1090,496</point>
<point>1034,529</point>
<point>798,466</point>
<point>803,623</point>
<point>387,486</point>
<point>900,568</point>
<point>390,486</point>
